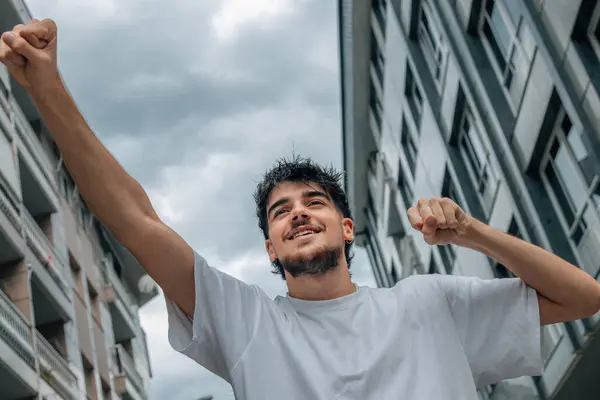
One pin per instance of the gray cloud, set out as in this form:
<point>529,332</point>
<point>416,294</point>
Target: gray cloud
<point>197,119</point>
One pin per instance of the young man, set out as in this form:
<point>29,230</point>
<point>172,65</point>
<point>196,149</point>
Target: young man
<point>429,337</point>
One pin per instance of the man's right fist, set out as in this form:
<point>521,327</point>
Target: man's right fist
<point>29,53</point>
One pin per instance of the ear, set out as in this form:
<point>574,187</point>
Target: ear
<point>270,250</point>
<point>348,229</point>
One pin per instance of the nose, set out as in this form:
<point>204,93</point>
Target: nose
<point>299,213</point>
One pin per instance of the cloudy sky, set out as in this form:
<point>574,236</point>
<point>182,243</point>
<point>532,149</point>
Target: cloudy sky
<point>196,98</point>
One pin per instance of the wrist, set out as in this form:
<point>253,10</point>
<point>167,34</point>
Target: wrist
<point>45,91</point>
<point>474,236</point>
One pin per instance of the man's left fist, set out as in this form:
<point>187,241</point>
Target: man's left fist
<point>440,220</point>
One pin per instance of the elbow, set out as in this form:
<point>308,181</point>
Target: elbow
<point>593,304</point>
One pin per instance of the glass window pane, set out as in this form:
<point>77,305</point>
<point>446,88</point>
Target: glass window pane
<point>500,29</point>
<point>515,9</point>
<point>577,146</point>
<point>559,193</point>
<point>478,146</point>
<point>526,39</point>
<point>496,50</point>
<point>469,154</point>
<point>570,178</point>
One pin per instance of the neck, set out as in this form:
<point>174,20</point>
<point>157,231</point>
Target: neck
<point>327,286</point>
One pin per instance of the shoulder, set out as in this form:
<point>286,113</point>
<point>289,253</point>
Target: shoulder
<point>424,290</point>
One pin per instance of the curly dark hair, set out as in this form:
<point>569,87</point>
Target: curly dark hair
<point>300,169</point>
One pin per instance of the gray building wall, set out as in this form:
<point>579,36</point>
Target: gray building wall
<point>492,103</point>
<point>69,293</point>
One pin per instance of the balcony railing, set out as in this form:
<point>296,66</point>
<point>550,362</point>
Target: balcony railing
<point>588,250</point>
<point>127,367</point>
<point>55,369</point>
<point>44,250</point>
<point>8,208</point>
<point>15,330</point>
<point>378,24</point>
<point>32,143</point>
<point>4,103</point>
<point>122,293</point>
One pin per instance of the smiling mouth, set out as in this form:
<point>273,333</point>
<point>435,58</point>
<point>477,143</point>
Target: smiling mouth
<point>303,233</point>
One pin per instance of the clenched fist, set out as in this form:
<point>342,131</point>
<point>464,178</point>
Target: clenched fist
<point>29,53</point>
<point>440,220</point>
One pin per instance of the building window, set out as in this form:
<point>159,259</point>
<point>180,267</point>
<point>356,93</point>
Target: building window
<point>380,9</point>
<point>413,96</point>
<point>509,43</point>
<point>404,185</point>
<point>447,252</point>
<point>377,59</point>
<point>409,146</point>
<point>477,156</point>
<point>593,33</point>
<point>395,278</point>
<point>432,43</point>
<point>551,338</point>
<point>433,267</point>
<point>572,181</point>
<point>376,108</point>
<point>4,97</point>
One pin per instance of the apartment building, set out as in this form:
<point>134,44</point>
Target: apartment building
<point>495,104</point>
<point>70,293</point>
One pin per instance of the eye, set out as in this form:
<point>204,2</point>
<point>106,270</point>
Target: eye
<point>313,202</point>
<point>279,211</point>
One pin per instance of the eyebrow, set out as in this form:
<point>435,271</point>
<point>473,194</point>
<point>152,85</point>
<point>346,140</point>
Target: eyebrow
<point>307,194</point>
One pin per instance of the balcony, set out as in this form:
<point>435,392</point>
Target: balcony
<point>18,377</point>
<point>55,370</point>
<point>33,145</point>
<point>44,250</point>
<point>11,241</point>
<point>121,302</point>
<point>50,291</point>
<point>132,272</point>
<point>128,382</point>
<point>9,209</point>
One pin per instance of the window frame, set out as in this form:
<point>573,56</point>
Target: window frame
<point>488,176</point>
<point>407,138</point>
<point>591,31</point>
<point>558,135</point>
<point>405,187</point>
<point>413,92</point>
<point>433,46</point>
<point>556,334</point>
<point>376,108</point>
<point>515,44</point>
<point>5,95</point>
<point>448,252</point>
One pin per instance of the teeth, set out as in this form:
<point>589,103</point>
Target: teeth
<point>303,233</point>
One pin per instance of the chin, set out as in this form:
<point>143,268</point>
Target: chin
<point>312,260</point>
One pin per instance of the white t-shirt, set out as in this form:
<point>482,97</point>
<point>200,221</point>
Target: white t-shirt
<point>428,337</point>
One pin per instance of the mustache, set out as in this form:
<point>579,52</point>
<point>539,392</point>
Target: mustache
<point>298,224</point>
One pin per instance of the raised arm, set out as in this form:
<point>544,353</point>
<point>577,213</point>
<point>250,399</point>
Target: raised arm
<point>565,292</point>
<point>116,199</point>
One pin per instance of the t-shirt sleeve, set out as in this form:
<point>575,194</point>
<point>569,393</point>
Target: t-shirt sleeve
<point>226,315</point>
<point>498,322</point>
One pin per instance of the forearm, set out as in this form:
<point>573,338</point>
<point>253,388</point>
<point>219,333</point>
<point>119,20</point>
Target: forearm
<point>552,277</point>
<point>110,192</point>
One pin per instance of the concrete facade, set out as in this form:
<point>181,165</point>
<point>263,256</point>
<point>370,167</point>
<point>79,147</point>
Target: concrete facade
<point>69,292</point>
<point>495,105</point>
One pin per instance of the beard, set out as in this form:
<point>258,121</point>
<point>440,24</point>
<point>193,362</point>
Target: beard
<point>319,262</point>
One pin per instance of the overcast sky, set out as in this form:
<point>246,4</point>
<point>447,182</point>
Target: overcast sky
<point>196,98</point>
